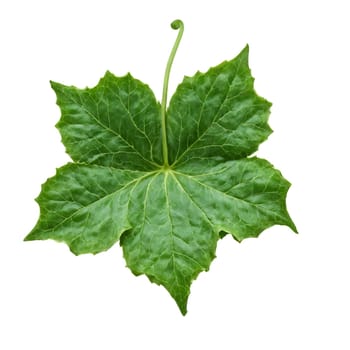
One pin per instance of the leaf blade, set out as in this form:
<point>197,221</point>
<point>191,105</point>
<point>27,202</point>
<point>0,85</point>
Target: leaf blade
<point>84,206</point>
<point>114,124</point>
<point>175,246</point>
<point>217,114</point>
<point>244,196</point>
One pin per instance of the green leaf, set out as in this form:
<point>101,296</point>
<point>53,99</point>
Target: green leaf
<point>166,200</point>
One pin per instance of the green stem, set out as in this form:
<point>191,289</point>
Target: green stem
<point>177,24</point>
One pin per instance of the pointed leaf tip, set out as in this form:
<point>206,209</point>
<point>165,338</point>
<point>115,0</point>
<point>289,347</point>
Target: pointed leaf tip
<point>244,54</point>
<point>54,84</point>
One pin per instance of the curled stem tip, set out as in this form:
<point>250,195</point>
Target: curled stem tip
<point>177,24</point>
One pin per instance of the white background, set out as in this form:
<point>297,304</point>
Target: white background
<point>281,291</point>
